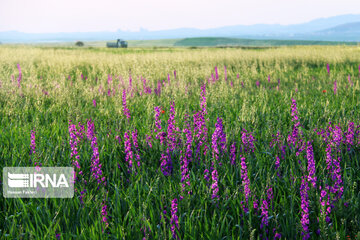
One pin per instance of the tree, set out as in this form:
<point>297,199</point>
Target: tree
<point>79,44</point>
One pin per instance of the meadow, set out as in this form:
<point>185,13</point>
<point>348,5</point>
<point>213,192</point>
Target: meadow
<point>177,143</point>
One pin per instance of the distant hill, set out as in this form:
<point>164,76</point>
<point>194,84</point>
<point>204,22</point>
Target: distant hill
<point>353,27</point>
<point>327,29</point>
<point>202,42</point>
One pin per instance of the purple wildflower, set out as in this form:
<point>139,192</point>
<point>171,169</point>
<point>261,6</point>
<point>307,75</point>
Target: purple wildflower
<point>213,78</point>
<point>335,87</point>
<point>304,188</point>
<point>130,81</point>
<point>95,167</point>
<point>218,139</point>
<point>277,164</point>
<point>126,111</point>
<point>128,150</point>
<point>258,83</point>
<point>277,236</point>
<point>293,138</point>
<point>264,214</point>
<point>171,129</point>
<point>165,168</point>
<point>184,172</point>
<point>174,221</point>
<point>232,153</point>
<point>245,179</point>
<point>328,158</point>
<point>94,102</point>
<point>200,130</point>
<point>32,142</point>
<point>206,175</point>
<point>328,68</point>
<point>311,164</point>
<point>203,99</point>
<point>270,194</point>
<point>214,185</point>
<point>325,201</point>
<point>247,141</point>
<point>269,78</point>
<point>337,136</point>
<point>160,135</point>
<point>255,205</point>
<point>186,158</point>
<point>336,177</point>
<point>148,140</point>
<point>225,73</point>
<point>58,236</point>
<point>175,74</point>
<point>350,134</point>
<point>104,214</point>
<point>74,140</point>
<point>200,133</point>
<point>136,146</point>
<point>216,73</point>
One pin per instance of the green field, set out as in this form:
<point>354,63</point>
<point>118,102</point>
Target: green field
<point>207,41</point>
<point>231,159</point>
<point>203,42</point>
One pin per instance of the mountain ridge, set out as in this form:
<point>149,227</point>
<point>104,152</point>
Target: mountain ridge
<point>328,29</point>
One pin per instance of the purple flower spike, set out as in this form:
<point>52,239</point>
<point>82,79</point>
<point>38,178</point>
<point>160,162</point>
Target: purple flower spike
<point>174,221</point>
<point>216,73</point>
<point>214,185</point>
<point>218,140</point>
<point>104,214</point>
<point>245,179</point>
<point>126,111</point>
<point>328,68</point>
<point>311,165</point>
<point>95,167</point>
<point>233,154</point>
<point>33,143</point>
<point>136,146</point>
<point>304,188</point>
<point>264,214</point>
<point>128,151</point>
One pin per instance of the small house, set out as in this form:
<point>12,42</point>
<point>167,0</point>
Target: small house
<point>118,44</point>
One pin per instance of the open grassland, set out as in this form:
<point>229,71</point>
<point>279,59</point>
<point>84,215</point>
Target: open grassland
<point>185,143</point>
<point>201,42</point>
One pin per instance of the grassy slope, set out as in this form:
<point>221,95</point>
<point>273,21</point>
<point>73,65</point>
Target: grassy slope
<point>208,41</point>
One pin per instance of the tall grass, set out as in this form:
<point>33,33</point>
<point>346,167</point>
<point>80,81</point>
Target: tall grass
<point>60,84</point>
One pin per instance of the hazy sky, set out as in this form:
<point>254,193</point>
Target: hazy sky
<point>110,15</point>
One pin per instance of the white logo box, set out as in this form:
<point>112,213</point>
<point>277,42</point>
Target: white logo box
<point>38,182</point>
